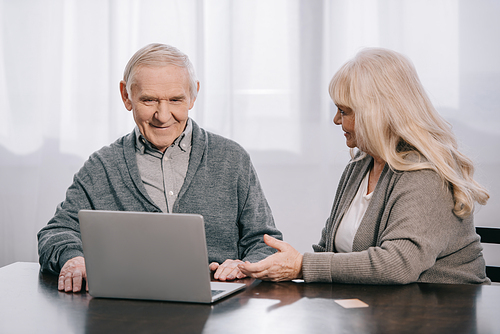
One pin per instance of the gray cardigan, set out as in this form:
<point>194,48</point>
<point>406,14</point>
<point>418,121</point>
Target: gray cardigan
<point>220,184</point>
<point>408,234</point>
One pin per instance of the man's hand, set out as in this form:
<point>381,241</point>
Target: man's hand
<point>285,265</point>
<point>72,275</point>
<point>227,271</point>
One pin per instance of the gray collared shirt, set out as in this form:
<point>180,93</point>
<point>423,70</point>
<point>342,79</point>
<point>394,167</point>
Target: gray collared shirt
<point>163,173</point>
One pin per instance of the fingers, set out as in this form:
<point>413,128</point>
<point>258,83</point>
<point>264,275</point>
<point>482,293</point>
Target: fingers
<point>281,246</point>
<point>229,274</point>
<point>229,271</point>
<point>252,268</point>
<point>72,275</point>
<point>70,281</point>
<point>263,268</point>
<point>213,266</point>
<point>282,266</point>
<point>75,284</point>
<point>60,283</point>
<point>257,270</point>
<point>263,273</point>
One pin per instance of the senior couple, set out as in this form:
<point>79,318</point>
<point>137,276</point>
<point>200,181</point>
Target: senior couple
<point>403,211</point>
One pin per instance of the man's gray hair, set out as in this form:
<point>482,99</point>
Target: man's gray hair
<point>157,54</point>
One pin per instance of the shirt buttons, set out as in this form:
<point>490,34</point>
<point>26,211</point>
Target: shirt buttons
<point>171,193</point>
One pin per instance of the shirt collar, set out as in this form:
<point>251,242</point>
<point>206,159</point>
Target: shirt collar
<point>183,142</point>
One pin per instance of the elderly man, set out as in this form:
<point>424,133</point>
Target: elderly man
<point>167,164</point>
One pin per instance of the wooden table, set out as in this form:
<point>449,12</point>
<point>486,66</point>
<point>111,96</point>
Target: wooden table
<point>31,303</point>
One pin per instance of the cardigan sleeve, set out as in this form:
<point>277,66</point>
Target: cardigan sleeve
<point>103,183</point>
<point>256,219</point>
<point>416,226</point>
<point>60,239</point>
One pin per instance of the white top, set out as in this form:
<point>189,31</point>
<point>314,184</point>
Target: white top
<point>352,218</point>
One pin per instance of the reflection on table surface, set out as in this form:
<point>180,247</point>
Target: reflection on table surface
<point>30,302</point>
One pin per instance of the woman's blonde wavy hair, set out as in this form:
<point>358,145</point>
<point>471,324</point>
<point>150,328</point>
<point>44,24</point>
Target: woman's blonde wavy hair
<point>395,118</point>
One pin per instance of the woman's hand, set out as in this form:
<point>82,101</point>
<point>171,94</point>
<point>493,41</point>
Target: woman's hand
<point>285,265</point>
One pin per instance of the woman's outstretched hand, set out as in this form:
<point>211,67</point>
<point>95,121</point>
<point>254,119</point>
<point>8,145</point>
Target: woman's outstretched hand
<point>285,265</point>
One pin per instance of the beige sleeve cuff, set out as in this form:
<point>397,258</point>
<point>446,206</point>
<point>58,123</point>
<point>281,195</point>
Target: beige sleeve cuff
<point>317,267</point>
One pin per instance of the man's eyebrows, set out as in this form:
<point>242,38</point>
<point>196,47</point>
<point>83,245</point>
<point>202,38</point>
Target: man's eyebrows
<point>178,97</point>
<point>146,97</point>
<point>150,97</point>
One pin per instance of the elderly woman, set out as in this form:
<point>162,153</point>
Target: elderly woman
<point>403,211</point>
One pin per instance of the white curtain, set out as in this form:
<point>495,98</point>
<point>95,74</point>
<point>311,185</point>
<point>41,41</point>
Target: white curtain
<point>264,68</point>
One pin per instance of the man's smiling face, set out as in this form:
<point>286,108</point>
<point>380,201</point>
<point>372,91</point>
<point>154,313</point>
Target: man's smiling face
<point>160,99</point>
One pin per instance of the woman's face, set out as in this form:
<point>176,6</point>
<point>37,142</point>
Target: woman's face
<point>345,118</point>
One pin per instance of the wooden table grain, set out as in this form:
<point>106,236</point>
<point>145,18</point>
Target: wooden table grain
<point>31,303</point>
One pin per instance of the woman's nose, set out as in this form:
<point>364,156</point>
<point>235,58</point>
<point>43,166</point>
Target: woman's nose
<point>337,119</point>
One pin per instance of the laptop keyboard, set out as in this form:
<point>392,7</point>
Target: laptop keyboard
<point>216,292</point>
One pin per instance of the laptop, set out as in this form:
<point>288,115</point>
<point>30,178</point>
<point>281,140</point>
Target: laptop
<point>154,256</point>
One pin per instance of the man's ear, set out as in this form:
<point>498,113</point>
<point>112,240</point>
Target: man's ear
<point>125,97</point>
<point>191,105</point>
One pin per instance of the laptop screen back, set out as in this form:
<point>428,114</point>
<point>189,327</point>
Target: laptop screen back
<point>145,255</point>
